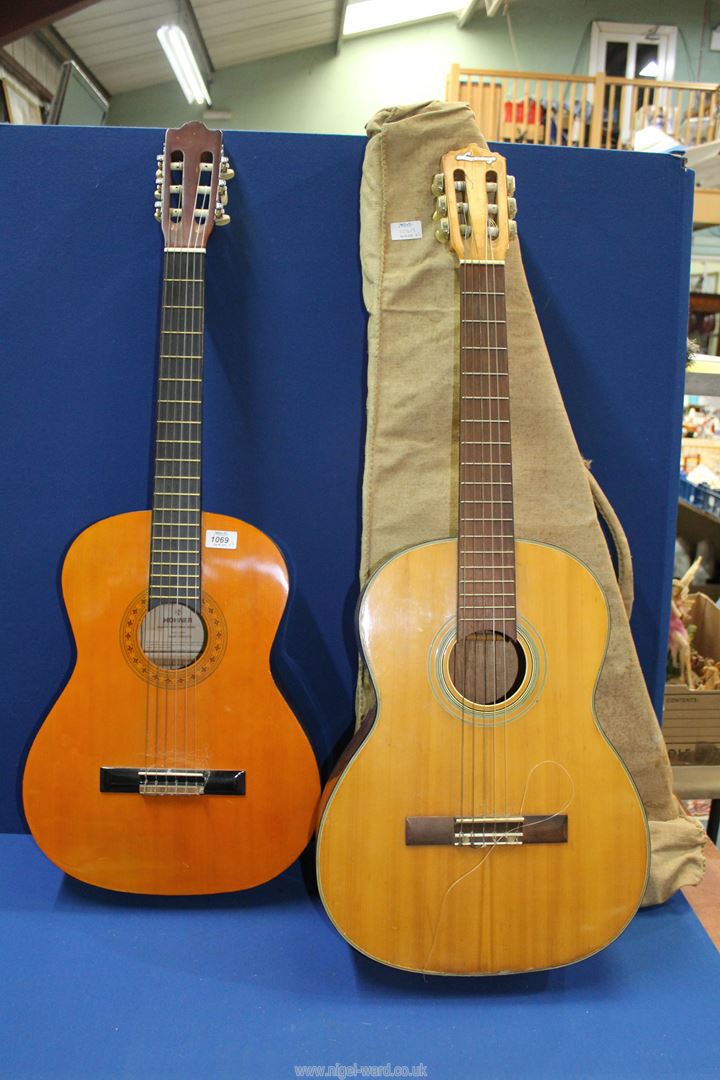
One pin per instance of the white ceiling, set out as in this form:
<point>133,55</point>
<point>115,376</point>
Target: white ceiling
<point>116,38</point>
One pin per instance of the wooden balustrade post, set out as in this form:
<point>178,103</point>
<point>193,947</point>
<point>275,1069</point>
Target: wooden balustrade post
<point>452,88</point>
<point>598,107</point>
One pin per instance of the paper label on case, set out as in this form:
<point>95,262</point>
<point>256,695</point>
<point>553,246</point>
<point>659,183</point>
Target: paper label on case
<point>406,230</point>
<point>217,538</point>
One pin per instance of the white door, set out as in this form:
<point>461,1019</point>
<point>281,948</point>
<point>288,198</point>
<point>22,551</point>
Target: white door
<point>632,51</point>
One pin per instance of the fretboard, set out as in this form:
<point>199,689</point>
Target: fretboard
<point>486,542</point>
<point>176,507</point>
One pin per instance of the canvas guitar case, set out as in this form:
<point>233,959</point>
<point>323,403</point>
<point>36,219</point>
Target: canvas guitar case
<point>410,476</point>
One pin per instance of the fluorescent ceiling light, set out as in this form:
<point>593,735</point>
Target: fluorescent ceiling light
<point>366,15</point>
<point>180,56</point>
<point>650,71</point>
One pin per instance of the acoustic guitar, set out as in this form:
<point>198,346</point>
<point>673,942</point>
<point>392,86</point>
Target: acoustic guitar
<point>482,822</point>
<point>170,763</point>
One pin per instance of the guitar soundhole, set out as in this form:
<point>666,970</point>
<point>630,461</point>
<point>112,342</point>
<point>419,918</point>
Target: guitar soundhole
<point>487,668</point>
<point>172,636</point>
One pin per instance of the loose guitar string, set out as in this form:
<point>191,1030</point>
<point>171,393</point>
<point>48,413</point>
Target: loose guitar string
<point>486,855</point>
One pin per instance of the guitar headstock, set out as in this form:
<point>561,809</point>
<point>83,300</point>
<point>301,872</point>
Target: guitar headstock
<point>191,185</point>
<point>475,204</point>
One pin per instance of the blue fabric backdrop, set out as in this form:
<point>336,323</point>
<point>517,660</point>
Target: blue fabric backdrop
<point>605,237</point>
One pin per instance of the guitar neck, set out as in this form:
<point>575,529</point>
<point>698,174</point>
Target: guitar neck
<point>486,534</point>
<point>176,505</point>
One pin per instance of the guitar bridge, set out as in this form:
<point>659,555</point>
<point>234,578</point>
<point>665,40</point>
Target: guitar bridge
<point>486,831</point>
<point>124,781</point>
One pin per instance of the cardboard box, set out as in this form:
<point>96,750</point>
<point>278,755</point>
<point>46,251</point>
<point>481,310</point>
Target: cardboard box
<point>691,718</point>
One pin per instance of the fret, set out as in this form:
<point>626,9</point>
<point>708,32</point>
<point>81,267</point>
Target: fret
<point>178,378</point>
<point>491,420</point>
<point>481,292</point>
<point>184,307</point>
<point>489,551</point>
<point>178,575</point>
<point>487,607</point>
<point>188,594</point>
<point>484,321</point>
<point>504,592</point>
<point>182,331</point>
<point>491,348</point>
<point>485,397</point>
<point>200,280</point>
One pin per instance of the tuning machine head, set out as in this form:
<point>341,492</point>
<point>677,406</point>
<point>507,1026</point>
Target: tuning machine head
<point>221,218</point>
<point>441,208</point>
<point>511,186</point>
<point>442,233</point>
<point>438,185</point>
<point>226,173</point>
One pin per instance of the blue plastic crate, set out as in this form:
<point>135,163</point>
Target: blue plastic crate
<point>699,495</point>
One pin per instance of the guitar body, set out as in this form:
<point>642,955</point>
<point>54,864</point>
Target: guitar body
<point>221,712</point>
<point>471,910</point>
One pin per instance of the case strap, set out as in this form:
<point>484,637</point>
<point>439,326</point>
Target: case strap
<point>622,548</point>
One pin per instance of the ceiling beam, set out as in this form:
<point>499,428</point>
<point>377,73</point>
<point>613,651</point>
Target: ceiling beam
<point>19,19</point>
<point>61,50</point>
<point>467,13</point>
<point>191,17</point>
<point>24,77</point>
<point>341,9</point>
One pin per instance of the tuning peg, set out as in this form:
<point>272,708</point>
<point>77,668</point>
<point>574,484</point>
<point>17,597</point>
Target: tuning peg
<point>441,207</point>
<point>491,187</point>
<point>492,209</point>
<point>463,208</point>
<point>158,192</point>
<point>159,173</point>
<point>511,185</point>
<point>222,193</point>
<point>512,229</point>
<point>158,213</point>
<point>493,232</point>
<point>221,218</point>
<point>438,184</point>
<point>225,171</point>
<point>460,185</point>
<point>442,233</point>
<point>512,207</point>
<point>466,230</point>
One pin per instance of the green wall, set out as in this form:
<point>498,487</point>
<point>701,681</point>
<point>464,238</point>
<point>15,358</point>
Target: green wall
<point>317,91</point>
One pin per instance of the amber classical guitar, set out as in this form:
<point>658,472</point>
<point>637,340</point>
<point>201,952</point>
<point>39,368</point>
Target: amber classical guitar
<point>171,763</point>
<point>483,824</point>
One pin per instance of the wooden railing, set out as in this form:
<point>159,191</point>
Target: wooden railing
<point>585,110</point>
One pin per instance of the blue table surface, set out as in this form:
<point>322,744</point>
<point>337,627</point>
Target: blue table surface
<point>97,984</point>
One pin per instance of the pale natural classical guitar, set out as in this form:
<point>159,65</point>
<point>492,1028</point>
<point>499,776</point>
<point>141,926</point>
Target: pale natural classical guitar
<point>171,764</point>
<point>483,823</point>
